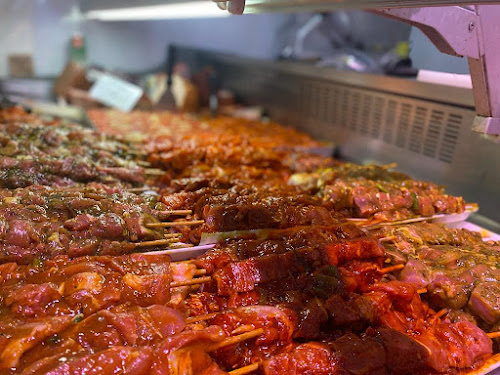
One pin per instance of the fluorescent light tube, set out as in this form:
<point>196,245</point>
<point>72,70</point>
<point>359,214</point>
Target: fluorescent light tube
<point>191,9</point>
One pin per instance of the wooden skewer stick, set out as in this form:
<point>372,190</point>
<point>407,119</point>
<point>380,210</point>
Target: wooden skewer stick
<point>391,268</point>
<point>173,235</point>
<point>154,172</point>
<point>422,291</point>
<point>201,318</point>
<point>198,280</point>
<point>143,163</point>
<point>162,242</point>
<point>179,248</point>
<point>493,335</point>
<point>242,329</point>
<point>390,166</point>
<point>440,313</point>
<point>173,239</point>
<point>387,239</point>
<point>142,189</point>
<point>245,370</point>
<point>237,339</point>
<point>175,212</point>
<point>200,272</point>
<point>175,224</point>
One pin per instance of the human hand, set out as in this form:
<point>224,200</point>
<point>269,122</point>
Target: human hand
<point>234,6</point>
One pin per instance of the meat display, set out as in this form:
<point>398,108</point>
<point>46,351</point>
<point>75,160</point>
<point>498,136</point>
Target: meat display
<point>291,285</point>
<point>376,192</point>
<point>64,155</point>
<point>457,269</point>
<point>40,222</point>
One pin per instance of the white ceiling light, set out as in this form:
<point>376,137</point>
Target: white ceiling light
<point>191,9</point>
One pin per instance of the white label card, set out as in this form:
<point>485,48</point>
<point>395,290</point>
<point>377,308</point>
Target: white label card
<point>115,92</point>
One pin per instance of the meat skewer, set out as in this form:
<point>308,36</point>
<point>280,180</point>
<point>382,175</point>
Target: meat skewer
<point>43,222</point>
<point>454,267</point>
<point>271,288</point>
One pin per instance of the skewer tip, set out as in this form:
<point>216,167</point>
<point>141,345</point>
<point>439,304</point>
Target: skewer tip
<point>440,314</point>
<point>201,318</point>
<point>396,267</point>
<point>237,339</point>
<point>175,224</point>
<point>152,243</point>
<point>245,370</point>
<point>195,281</point>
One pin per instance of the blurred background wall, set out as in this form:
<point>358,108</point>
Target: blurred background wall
<point>43,29</point>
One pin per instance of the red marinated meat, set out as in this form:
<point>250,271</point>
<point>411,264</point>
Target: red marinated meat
<point>109,226</point>
<point>186,352</point>
<point>359,275</point>
<point>245,275</point>
<point>87,283</point>
<point>24,337</point>
<point>370,200</point>
<point>403,354</point>
<point>244,299</point>
<point>263,215</point>
<point>120,359</point>
<point>360,354</point>
<point>485,301</point>
<point>124,325</point>
<point>397,305</point>
<point>32,299</point>
<point>312,358</point>
<point>459,345</point>
<point>393,304</point>
<point>43,222</point>
<point>80,222</point>
<point>312,316</point>
<point>342,312</point>
<point>216,258</point>
<point>204,303</point>
<point>278,324</point>
<point>339,253</point>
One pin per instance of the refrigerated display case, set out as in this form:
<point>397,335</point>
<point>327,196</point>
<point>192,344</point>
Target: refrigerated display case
<point>161,243</point>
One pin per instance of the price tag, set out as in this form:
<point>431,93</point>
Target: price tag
<point>115,92</point>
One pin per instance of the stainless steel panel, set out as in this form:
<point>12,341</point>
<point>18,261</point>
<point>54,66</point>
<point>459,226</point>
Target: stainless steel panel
<point>425,128</point>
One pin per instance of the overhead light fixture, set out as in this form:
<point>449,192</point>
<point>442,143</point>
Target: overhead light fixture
<point>191,9</point>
